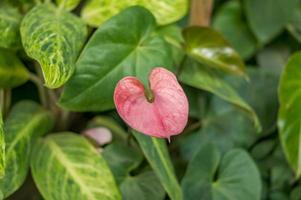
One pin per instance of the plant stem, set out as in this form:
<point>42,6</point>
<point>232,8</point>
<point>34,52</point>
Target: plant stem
<point>41,89</point>
<point>200,13</point>
<point>5,101</point>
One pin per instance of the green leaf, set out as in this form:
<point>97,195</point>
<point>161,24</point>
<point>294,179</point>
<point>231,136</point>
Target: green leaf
<point>268,18</point>
<point>12,72</point>
<point>54,38</point>
<point>213,176</point>
<point>230,23</point>
<point>289,119</point>
<point>24,124</point>
<point>10,19</point>
<point>68,4</point>
<point>294,25</point>
<point>209,79</point>
<point>122,159</point>
<point>145,186</point>
<point>210,48</point>
<point>2,150</point>
<point>156,152</point>
<point>115,51</point>
<point>66,166</point>
<point>96,12</point>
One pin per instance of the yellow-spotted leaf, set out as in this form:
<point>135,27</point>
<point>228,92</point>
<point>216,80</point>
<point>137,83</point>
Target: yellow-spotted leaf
<point>66,166</point>
<point>53,37</point>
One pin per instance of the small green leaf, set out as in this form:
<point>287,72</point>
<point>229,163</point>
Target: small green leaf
<point>268,18</point>
<point>213,176</point>
<point>209,79</point>
<point>54,38</point>
<point>66,166</point>
<point>96,12</point>
<point>115,51</point>
<point>289,117</point>
<point>228,20</point>
<point>68,4</point>
<point>24,124</point>
<point>155,151</point>
<point>210,48</point>
<point>10,20</point>
<point>12,72</point>
<point>2,150</point>
<point>145,186</point>
<point>122,159</point>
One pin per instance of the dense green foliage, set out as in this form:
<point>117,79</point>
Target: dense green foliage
<point>60,61</point>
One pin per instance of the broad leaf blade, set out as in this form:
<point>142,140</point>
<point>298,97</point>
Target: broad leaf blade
<point>25,123</point>
<point>12,72</point>
<point>115,51</point>
<point>209,79</point>
<point>10,20</point>
<point>155,151</point>
<point>2,149</point>
<point>289,121</point>
<point>95,12</point>
<point>54,38</point>
<point>213,176</point>
<point>210,48</point>
<point>66,166</point>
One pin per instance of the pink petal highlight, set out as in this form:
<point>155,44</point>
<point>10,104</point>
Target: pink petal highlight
<point>167,115</point>
<point>100,135</point>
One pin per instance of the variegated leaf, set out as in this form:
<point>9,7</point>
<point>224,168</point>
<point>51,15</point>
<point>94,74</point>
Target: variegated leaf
<point>68,4</point>
<point>66,166</point>
<point>54,37</point>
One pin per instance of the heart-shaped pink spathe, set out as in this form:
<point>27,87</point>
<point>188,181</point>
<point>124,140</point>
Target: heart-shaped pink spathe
<point>163,117</point>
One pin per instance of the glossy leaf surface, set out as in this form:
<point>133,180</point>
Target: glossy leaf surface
<point>210,48</point>
<point>113,52</point>
<point>25,123</point>
<point>66,166</point>
<point>53,37</point>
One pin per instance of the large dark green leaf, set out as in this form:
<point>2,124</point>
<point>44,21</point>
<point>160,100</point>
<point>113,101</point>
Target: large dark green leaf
<point>95,12</point>
<point>268,18</point>
<point>12,72</point>
<point>289,117</point>
<point>10,19</point>
<point>66,166</point>
<point>54,38</point>
<point>156,152</point>
<point>209,79</point>
<point>115,51</point>
<point>2,149</point>
<point>213,176</point>
<point>25,123</point>
<point>210,48</point>
<point>122,159</point>
<point>230,23</point>
<point>145,186</point>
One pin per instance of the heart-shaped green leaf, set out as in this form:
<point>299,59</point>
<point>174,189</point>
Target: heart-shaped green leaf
<point>144,186</point>
<point>268,18</point>
<point>156,152</point>
<point>289,119</point>
<point>10,20</point>
<point>2,149</point>
<point>12,72</point>
<point>68,4</point>
<point>206,78</point>
<point>210,48</point>
<point>115,51</point>
<point>24,124</point>
<point>54,38</point>
<point>228,20</point>
<point>95,12</point>
<point>213,176</point>
<point>66,166</point>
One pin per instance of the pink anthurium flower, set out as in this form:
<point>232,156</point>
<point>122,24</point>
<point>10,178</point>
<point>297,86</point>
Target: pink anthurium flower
<point>161,111</point>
